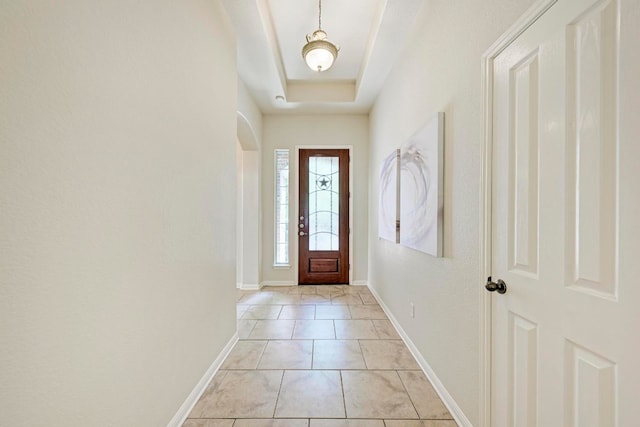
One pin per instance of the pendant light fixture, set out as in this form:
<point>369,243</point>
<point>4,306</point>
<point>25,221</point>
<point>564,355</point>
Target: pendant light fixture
<point>319,53</point>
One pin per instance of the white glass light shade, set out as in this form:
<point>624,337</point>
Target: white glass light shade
<point>319,53</point>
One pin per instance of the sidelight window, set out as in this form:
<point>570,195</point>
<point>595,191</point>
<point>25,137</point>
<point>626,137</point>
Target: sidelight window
<point>281,249</point>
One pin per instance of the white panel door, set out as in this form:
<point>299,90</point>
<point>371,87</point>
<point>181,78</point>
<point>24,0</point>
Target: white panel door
<point>566,219</point>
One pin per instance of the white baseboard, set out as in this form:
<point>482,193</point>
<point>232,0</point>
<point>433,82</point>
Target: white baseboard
<point>279,283</point>
<point>289,283</point>
<point>182,414</point>
<point>446,398</point>
<point>249,286</point>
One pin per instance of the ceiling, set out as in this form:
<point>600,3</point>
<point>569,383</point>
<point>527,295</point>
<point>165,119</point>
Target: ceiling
<point>271,33</point>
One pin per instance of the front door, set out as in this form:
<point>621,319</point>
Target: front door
<point>323,220</point>
<point>566,220</point>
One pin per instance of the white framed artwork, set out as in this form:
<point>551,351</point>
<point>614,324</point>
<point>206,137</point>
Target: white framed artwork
<point>389,202</point>
<point>421,188</point>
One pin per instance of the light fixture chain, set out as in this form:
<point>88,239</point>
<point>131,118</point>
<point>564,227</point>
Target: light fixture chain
<point>319,53</point>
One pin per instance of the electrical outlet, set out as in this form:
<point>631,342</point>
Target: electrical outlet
<point>412,311</point>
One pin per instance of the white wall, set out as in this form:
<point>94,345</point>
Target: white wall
<point>250,200</point>
<point>239,215</point>
<point>440,72</point>
<point>251,134</point>
<point>251,217</point>
<point>117,152</point>
<point>288,131</point>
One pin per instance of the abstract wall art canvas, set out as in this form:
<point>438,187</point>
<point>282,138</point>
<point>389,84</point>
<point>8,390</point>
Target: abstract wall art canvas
<point>421,188</point>
<point>389,201</point>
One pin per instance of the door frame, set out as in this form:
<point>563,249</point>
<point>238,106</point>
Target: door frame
<point>488,58</point>
<point>296,202</point>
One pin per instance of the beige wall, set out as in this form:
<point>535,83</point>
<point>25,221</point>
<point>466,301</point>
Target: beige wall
<point>249,220</point>
<point>249,120</point>
<point>117,152</point>
<point>290,131</point>
<point>440,72</point>
<point>250,199</point>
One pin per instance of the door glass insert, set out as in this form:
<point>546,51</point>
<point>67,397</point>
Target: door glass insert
<point>324,203</point>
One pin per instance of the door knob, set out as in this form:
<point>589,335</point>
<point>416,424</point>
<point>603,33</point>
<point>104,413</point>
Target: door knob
<point>302,233</point>
<point>498,286</point>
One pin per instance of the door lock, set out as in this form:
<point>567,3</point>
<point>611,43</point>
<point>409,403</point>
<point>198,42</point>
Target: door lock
<point>302,233</point>
<point>498,286</point>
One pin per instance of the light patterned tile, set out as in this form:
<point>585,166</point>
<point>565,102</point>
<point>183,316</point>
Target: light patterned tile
<point>298,312</point>
<point>257,312</point>
<point>367,311</point>
<point>286,299</point>
<point>245,355</point>
<point>240,310</point>
<point>241,394</point>
<point>332,312</point>
<point>424,397</point>
<point>368,299</point>
<point>329,289</point>
<point>209,395</point>
<point>387,354</point>
<point>342,299</point>
<point>385,329</point>
<point>279,289</point>
<point>310,394</point>
<point>287,354</point>
<point>376,394</point>
<point>315,299</point>
<point>207,423</point>
<point>351,290</point>
<point>439,423</point>
<point>272,423</point>
<point>243,294</point>
<point>272,330</point>
<point>346,423</point>
<point>423,423</point>
<point>314,329</point>
<point>256,298</point>
<point>337,354</point>
<point>355,329</point>
<point>403,423</point>
<point>335,294</point>
<point>305,290</point>
<point>365,371</point>
<point>245,327</point>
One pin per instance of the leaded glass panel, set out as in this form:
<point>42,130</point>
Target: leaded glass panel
<point>324,204</point>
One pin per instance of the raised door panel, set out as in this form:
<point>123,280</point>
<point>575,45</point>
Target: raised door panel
<point>523,166</point>
<point>592,146</point>
<point>590,388</point>
<point>523,367</point>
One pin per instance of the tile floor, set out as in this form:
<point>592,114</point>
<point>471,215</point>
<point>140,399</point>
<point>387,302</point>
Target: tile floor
<point>317,356</point>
